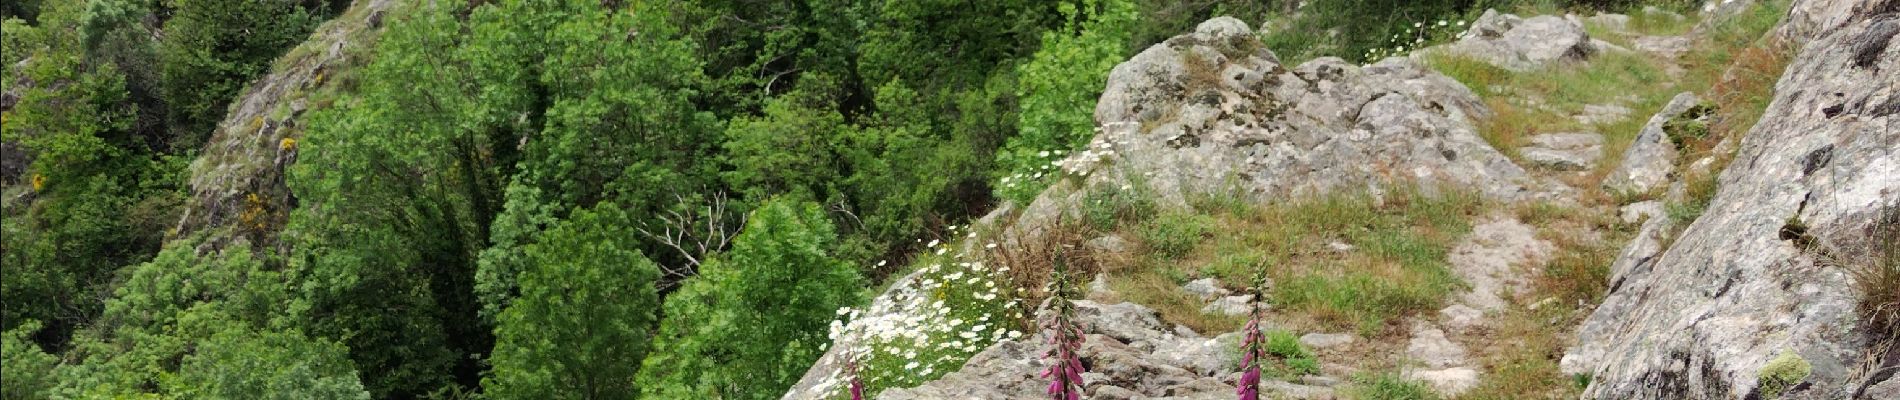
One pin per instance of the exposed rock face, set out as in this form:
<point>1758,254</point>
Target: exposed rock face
<point>1134,356</point>
<point>1213,108</point>
<point>242,167</point>
<point>1701,318</point>
<point>1572,151</point>
<point>1521,44</point>
<point>1651,157</point>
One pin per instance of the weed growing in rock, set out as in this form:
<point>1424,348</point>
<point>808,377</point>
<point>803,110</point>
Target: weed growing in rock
<point>1781,374</point>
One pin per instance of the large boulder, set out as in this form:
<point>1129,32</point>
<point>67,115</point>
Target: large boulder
<point>1520,44</point>
<point>1130,354</point>
<point>1741,286</point>
<point>1215,109</point>
<point>1651,158</point>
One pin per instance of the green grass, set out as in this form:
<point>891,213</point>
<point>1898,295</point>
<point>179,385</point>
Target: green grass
<point>1298,360</point>
<point>1388,386</point>
<point>1398,267</point>
<point>1172,235</point>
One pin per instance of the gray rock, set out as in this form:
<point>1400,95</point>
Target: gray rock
<point>1667,47</point>
<point>1430,347</point>
<point>1449,381</point>
<point>1602,114</point>
<point>1701,318</point>
<point>1099,285</point>
<point>1320,381</point>
<point>1636,213</point>
<point>1128,322</point>
<point>1285,390</point>
<point>1340,247</point>
<point>1640,211</point>
<point>1488,260</point>
<point>1460,317</point>
<point>1522,44</point>
<point>1319,341</point>
<point>1651,157</point>
<point>1230,305</point>
<point>1176,366</point>
<point>1205,288</point>
<point>1321,126</point>
<point>1890,389</point>
<point>1115,393</point>
<point>1614,22</point>
<point>1564,151</point>
<point>1109,244</point>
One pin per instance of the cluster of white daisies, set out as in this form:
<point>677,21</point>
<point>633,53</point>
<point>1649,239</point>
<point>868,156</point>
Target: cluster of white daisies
<point>1420,35</point>
<point>952,309</point>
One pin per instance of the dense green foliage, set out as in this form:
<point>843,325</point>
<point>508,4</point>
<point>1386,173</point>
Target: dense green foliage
<point>26,368</point>
<point>584,313</point>
<point>101,198</point>
<point>715,342</point>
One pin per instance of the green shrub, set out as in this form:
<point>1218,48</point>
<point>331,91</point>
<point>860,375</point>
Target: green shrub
<point>1174,234</point>
<point>1285,344</point>
<point>1106,208</point>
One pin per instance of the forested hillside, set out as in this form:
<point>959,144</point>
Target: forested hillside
<point>593,199</point>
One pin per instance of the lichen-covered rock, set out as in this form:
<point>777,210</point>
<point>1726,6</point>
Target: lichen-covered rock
<point>1521,44</point>
<point>1215,109</point>
<point>1570,151</point>
<point>1734,290</point>
<point>1130,353</point>
<point>1651,157</point>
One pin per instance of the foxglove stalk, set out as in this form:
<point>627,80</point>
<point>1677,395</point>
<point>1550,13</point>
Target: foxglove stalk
<point>857,385</point>
<point>1065,339</point>
<point>1253,349</point>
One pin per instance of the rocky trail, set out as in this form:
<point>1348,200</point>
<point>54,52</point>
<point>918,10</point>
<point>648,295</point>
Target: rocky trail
<point>1211,108</point>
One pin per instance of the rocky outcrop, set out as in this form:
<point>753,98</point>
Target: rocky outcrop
<point>1702,317</point>
<point>1651,157</point>
<point>1215,110</point>
<point>1569,151</point>
<point>1133,356</point>
<point>1522,44</point>
<point>238,180</point>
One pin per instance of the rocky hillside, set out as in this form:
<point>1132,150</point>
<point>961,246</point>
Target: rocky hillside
<point>1757,283</point>
<point>237,184</point>
<point>1720,304</point>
